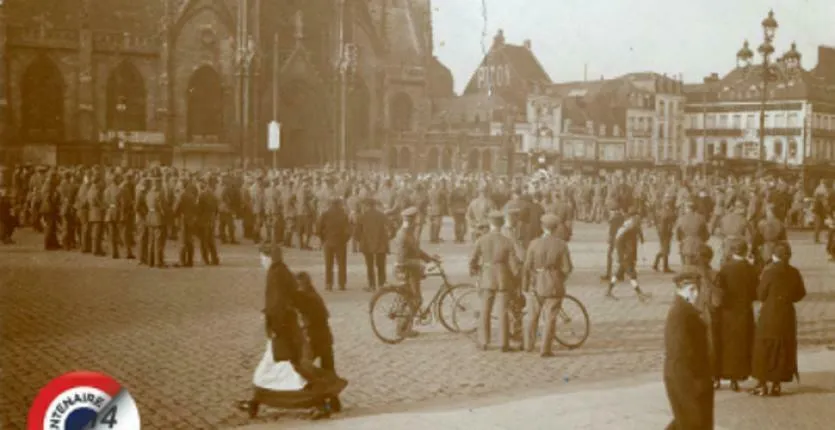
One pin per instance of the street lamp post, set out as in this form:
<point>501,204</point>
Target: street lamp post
<point>121,108</point>
<point>347,70</point>
<point>244,56</point>
<point>784,68</point>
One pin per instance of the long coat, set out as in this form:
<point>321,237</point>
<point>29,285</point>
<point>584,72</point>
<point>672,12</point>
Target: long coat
<point>372,232</point>
<point>282,321</point>
<point>775,341</point>
<point>734,320</point>
<point>688,376</point>
<point>495,253</point>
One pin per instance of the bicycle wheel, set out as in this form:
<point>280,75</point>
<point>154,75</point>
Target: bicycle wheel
<point>447,302</point>
<point>466,312</point>
<point>394,308</point>
<point>573,324</point>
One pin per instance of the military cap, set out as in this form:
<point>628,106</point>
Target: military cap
<point>513,209</point>
<point>409,212</point>
<point>687,278</point>
<point>550,221</point>
<point>738,246</point>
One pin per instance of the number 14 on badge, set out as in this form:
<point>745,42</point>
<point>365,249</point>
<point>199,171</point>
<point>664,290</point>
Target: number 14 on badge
<point>120,414</point>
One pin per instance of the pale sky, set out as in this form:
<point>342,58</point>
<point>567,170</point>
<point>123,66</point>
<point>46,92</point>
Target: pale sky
<point>691,37</point>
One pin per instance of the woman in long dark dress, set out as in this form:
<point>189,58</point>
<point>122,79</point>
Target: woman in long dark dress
<point>286,376</point>
<point>775,341</point>
<point>734,321</point>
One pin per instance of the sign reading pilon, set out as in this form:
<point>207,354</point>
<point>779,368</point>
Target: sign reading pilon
<point>274,134</point>
<point>493,76</point>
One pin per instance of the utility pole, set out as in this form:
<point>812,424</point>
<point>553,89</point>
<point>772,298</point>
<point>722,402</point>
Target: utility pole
<point>276,65</point>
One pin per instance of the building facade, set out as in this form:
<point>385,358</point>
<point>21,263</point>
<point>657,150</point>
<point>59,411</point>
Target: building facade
<point>723,117</point>
<point>195,82</point>
<point>633,120</point>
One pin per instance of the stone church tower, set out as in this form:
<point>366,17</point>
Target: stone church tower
<point>194,83</point>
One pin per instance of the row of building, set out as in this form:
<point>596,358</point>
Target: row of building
<point>640,119</point>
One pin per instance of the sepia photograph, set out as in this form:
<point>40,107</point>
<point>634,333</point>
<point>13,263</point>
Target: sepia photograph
<point>417,214</point>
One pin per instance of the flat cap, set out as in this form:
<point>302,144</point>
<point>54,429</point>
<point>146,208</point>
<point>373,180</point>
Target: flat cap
<point>550,221</point>
<point>687,278</point>
<point>409,212</point>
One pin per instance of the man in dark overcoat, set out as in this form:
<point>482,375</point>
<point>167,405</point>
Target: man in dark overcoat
<point>688,377</point>
<point>372,233</point>
<point>734,319</point>
<point>334,229</point>
<point>665,222</point>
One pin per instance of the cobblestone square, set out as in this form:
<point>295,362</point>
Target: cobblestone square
<point>185,342</point>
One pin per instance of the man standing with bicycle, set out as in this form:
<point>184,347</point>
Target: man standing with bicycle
<point>547,265</point>
<point>494,259</point>
<point>408,263</point>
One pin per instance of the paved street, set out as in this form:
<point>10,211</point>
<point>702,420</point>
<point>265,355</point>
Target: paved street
<point>185,342</point>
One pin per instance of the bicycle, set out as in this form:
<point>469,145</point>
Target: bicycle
<point>406,306</point>
<point>463,312</point>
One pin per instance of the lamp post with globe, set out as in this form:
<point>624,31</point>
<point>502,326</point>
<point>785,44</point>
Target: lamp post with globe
<point>121,109</point>
<point>784,68</point>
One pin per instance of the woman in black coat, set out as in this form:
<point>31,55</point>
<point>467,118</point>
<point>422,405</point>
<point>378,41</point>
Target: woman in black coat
<point>775,341</point>
<point>734,319</point>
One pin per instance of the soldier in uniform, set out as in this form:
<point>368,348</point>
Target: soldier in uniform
<point>546,268</point>
<point>204,225</point>
<point>304,215</point>
<point>733,227</point>
<point>691,231</point>
<point>458,201</point>
<point>96,210</point>
<point>141,216</point>
<point>478,210</point>
<point>665,222</point>
<point>82,211</point>
<point>436,200</point>
<point>494,260</point>
<point>516,301</point>
<point>50,212</point>
<point>770,232</point>
<point>408,258</point>
<point>113,213</point>
<point>68,191</point>
<point>273,218</point>
<point>127,198</point>
<point>226,210</point>
<point>185,214</point>
<point>155,222</point>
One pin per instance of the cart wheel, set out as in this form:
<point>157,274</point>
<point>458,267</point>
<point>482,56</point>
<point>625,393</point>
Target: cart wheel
<point>389,308</point>
<point>447,303</point>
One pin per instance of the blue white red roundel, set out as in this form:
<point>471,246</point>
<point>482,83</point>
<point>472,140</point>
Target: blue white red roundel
<point>83,401</point>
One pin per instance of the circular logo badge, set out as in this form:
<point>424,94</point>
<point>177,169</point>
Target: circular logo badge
<point>83,401</point>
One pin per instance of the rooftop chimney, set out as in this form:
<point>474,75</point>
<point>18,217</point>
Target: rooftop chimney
<point>498,39</point>
<point>527,44</point>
